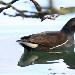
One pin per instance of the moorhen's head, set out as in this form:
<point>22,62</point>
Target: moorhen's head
<point>69,26</point>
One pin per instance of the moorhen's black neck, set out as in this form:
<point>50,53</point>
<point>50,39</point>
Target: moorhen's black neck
<point>68,28</point>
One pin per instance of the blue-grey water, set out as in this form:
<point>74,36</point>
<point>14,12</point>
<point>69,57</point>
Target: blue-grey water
<point>12,29</point>
<point>10,51</point>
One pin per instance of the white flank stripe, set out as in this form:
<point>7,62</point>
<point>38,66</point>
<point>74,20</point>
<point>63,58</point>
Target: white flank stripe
<point>29,44</point>
<point>59,45</point>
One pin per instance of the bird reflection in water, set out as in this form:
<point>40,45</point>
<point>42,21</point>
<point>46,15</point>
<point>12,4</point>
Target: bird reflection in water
<point>39,57</point>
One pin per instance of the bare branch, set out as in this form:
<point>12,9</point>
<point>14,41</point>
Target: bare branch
<point>2,8</point>
<point>52,17</point>
<point>51,11</point>
<point>22,15</point>
<point>13,1</point>
<point>67,10</point>
<point>3,3</point>
<point>39,14</point>
<point>8,5</point>
<point>38,7</point>
<point>20,11</point>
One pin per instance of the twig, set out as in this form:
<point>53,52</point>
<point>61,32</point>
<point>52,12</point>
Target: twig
<point>38,7</point>
<point>8,5</point>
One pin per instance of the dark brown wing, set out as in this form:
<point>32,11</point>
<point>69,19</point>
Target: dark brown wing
<point>48,39</point>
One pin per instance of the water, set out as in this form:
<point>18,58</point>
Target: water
<point>49,64</point>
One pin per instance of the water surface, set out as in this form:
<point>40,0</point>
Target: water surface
<point>49,64</point>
